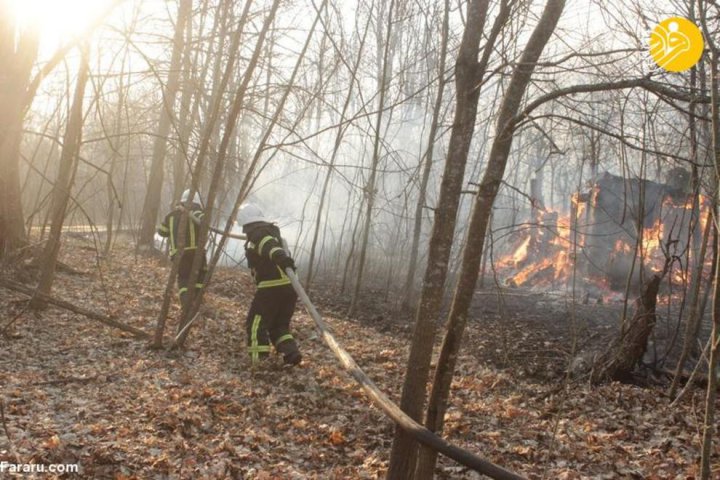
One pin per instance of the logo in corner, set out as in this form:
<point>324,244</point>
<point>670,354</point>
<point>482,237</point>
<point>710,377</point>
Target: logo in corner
<point>676,44</point>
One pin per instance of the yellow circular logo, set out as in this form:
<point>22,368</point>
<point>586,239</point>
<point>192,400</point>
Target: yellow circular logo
<point>676,44</point>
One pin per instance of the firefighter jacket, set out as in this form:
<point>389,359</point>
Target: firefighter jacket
<point>265,254</point>
<point>171,225</point>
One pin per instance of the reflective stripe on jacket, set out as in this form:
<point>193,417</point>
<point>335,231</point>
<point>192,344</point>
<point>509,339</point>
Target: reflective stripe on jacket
<point>263,250</point>
<point>170,227</point>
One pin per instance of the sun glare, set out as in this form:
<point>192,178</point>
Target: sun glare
<point>57,20</point>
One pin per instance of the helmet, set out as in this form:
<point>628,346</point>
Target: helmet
<point>186,195</point>
<point>250,213</point>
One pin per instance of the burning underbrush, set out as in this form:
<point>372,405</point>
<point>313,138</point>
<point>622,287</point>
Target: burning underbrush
<point>610,241</point>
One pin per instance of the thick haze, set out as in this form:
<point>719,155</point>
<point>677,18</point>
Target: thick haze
<point>130,54</point>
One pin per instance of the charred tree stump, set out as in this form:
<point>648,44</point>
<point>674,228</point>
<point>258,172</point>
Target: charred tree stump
<point>619,360</point>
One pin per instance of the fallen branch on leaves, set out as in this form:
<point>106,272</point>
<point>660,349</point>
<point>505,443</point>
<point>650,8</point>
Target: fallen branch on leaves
<point>66,380</point>
<point>417,431</point>
<point>18,287</point>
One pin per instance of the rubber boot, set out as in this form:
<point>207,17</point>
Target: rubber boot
<point>289,350</point>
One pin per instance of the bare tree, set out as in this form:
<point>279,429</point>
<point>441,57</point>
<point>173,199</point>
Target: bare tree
<point>410,279</point>
<point>370,186</point>
<point>231,123</point>
<point>709,422</point>
<point>341,130</point>
<point>66,176</point>
<point>153,194</point>
<point>17,56</point>
<point>469,74</point>
<point>18,52</point>
<point>115,146</point>
<point>200,165</point>
<point>477,230</point>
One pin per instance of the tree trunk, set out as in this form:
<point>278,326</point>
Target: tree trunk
<point>114,156</point>
<point>477,230</point>
<point>17,55</point>
<point>695,257</point>
<point>180,160</point>
<point>709,423</point>
<point>153,196</point>
<point>251,174</point>
<point>694,317</point>
<point>383,81</point>
<point>214,114</point>
<point>351,250</point>
<point>427,168</point>
<point>231,123</point>
<point>64,182</point>
<point>468,75</point>
<point>711,395</point>
<point>336,148</point>
<point>618,362</point>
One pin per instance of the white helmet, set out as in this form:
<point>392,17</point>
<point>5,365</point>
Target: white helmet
<point>250,213</point>
<point>186,195</point>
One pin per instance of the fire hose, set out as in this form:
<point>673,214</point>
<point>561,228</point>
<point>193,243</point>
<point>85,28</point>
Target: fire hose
<point>417,431</point>
<point>413,428</point>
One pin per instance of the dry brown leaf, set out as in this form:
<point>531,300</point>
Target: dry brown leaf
<point>336,437</point>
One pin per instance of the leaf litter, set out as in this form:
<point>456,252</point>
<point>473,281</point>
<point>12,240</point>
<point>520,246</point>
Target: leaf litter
<point>75,391</point>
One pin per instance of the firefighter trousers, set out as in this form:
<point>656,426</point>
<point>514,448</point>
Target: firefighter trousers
<point>187,294</point>
<point>268,323</point>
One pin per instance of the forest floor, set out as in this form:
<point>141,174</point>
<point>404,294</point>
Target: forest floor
<point>76,391</point>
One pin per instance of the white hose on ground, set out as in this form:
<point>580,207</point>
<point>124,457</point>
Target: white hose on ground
<point>419,432</point>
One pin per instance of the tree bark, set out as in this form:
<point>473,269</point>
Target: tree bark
<point>427,168</point>
<point>153,196</point>
<point>17,56</point>
<point>199,167</point>
<point>711,396</point>
<point>618,362</point>
<point>468,76</point>
<point>331,164</point>
<point>477,230</point>
<point>64,182</point>
<point>383,81</point>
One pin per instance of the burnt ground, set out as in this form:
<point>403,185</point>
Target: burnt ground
<point>75,391</point>
<point>539,335</point>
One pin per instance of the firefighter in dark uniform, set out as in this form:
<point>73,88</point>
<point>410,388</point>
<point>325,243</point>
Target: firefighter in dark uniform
<point>169,228</point>
<point>268,321</point>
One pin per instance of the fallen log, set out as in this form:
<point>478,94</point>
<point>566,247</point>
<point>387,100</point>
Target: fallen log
<point>66,380</point>
<point>102,378</point>
<point>20,288</point>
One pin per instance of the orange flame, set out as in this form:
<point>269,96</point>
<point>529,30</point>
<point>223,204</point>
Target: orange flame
<point>545,257</point>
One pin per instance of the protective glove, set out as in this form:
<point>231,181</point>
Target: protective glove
<point>287,262</point>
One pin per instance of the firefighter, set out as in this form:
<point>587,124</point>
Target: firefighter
<point>170,228</point>
<point>268,321</point>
